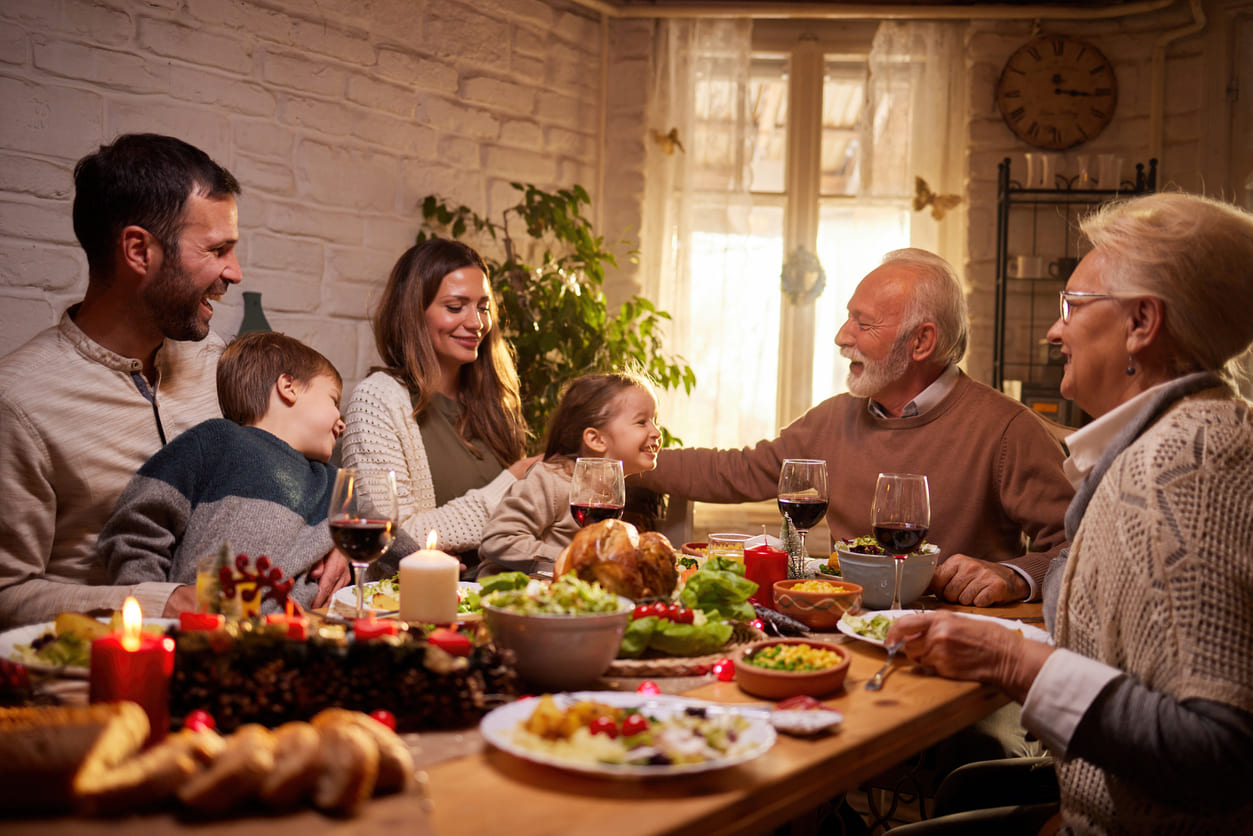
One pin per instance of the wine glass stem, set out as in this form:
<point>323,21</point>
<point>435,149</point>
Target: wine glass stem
<point>358,569</point>
<point>898,565</point>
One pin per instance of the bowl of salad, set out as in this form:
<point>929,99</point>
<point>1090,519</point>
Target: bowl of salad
<point>563,633</point>
<point>862,561</point>
<point>780,668</point>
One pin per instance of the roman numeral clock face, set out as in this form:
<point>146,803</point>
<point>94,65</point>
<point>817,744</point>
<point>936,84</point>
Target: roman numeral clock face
<point>1057,92</point>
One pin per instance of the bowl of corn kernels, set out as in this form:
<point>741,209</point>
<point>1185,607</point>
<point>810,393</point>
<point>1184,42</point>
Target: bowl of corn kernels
<point>818,604</point>
<point>780,668</point>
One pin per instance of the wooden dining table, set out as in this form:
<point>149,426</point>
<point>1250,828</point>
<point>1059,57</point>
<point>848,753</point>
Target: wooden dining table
<point>469,787</point>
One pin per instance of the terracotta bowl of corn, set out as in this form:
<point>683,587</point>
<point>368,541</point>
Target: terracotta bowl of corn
<point>780,668</point>
<point>818,604</point>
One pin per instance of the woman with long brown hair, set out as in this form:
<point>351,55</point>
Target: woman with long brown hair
<point>443,410</point>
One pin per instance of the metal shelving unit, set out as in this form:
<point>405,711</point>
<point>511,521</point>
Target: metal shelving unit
<point>1041,224</point>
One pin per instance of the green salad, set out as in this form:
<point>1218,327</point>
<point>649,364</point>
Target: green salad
<point>870,626</point>
<point>717,593</point>
<point>568,595</point>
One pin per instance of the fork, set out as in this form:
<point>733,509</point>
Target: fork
<point>876,681</point>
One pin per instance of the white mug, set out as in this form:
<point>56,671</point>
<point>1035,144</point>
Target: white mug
<point>1028,267</point>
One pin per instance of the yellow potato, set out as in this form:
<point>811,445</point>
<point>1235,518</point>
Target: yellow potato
<point>82,626</point>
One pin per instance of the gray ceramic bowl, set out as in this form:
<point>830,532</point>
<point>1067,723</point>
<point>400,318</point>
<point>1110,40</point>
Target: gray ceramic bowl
<point>874,574</point>
<point>560,652</point>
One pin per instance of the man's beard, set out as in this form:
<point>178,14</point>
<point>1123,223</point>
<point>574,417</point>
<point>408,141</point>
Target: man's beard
<point>174,302</point>
<point>877,375</point>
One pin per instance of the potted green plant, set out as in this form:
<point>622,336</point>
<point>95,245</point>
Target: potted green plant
<point>553,308</point>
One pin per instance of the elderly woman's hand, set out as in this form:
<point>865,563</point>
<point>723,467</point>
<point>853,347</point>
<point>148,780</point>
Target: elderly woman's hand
<point>967,580</point>
<point>969,648</point>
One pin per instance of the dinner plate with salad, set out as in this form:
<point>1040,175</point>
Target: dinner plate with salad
<point>627,735</point>
<point>384,597</point>
<point>63,647</point>
<point>872,627</point>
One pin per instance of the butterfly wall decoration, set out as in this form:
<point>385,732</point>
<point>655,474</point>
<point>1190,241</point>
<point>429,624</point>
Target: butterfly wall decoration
<point>939,203</point>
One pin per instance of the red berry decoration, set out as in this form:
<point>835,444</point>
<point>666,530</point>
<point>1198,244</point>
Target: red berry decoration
<point>724,669</point>
<point>385,717</point>
<point>648,688</point>
<point>758,623</point>
<point>263,564</point>
<point>199,720</point>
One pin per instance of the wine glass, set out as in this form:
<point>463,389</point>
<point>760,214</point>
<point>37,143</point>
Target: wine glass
<point>597,490</point>
<point>803,494</point>
<point>363,517</point>
<point>902,515</point>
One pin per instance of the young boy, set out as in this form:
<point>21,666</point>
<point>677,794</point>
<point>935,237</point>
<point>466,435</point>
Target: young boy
<point>259,480</point>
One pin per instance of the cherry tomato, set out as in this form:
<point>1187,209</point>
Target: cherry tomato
<point>385,717</point>
<point>724,670</point>
<point>660,609</point>
<point>603,725</point>
<point>680,614</point>
<point>199,719</point>
<point>642,611</point>
<point>450,641</point>
<point>648,688</point>
<point>634,724</point>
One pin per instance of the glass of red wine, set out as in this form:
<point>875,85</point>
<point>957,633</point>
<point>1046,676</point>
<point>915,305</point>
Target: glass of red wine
<point>902,515</point>
<point>597,490</point>
<point>363,517</point>
<point>803,494</point>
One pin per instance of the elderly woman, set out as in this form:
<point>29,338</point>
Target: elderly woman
<point>444,411</point>
<point>1146,699</point>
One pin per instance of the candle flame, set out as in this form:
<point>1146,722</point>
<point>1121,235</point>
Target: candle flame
<point>431,539</point>
<point>132,621</point>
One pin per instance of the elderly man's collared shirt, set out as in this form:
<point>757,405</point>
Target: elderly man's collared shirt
<point>926,399</point>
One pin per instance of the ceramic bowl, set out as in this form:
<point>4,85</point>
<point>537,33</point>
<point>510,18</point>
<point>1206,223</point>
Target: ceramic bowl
<point>559,652</point>
<point>874,574</point>
<point>771,684</point>
<point>817,610</point>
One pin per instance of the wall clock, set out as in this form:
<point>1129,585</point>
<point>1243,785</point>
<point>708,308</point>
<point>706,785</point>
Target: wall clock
<point>1056,92</point>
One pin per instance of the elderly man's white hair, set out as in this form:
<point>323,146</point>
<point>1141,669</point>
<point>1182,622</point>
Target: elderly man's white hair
<point>940,298</point>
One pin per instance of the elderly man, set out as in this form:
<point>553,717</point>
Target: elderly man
<point>998,493</point>
<point>86,402</point>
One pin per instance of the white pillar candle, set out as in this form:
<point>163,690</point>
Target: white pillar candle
<point>428,586</point>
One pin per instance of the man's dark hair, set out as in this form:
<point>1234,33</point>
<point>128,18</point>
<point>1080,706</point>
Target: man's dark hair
<point>142,180</point>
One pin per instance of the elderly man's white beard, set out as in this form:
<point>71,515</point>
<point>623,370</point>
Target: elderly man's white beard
<point>876,376</point>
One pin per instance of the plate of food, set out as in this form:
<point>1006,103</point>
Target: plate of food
<point>384,597</point>
<point>63,647</point>
<point>627,735</point>
<point>872,627</point>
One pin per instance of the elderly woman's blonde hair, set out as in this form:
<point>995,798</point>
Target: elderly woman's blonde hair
<point>1196,255</point>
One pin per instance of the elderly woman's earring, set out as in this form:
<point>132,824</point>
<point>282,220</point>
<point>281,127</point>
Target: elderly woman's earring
<point>1131,369</point>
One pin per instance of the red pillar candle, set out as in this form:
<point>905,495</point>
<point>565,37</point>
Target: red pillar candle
<point>764,565</point>
<point>129,665</point>
<point>297,625</point>
<point>200,621</point>
<point>370,628</point>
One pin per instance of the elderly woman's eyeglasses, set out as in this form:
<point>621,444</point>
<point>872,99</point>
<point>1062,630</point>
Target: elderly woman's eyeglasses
<point>1070,297</point>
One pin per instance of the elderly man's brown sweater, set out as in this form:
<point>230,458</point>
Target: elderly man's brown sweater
<point>994,470</point>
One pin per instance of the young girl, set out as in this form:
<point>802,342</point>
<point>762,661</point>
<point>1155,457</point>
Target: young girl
<point>612,416</point>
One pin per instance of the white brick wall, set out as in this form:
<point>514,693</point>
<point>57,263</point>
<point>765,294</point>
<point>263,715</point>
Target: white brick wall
<point>1192,65</point>
<point>337,117</point>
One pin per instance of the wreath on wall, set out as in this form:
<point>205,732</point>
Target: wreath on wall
<point>803,277</point>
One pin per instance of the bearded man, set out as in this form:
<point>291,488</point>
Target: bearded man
<point>86,402</point>
<point>998,493</point>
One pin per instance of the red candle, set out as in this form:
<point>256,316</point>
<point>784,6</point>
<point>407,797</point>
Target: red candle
<point>297,625</point>
<point>370,628</point>
<point>200,620</point>
<point>129,665</point>
<point>764,565</point>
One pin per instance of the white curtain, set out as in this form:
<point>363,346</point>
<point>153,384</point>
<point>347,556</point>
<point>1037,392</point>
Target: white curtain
<point>701,258</point>
<point>712,255</point>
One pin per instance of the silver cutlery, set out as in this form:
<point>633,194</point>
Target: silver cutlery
<point>876,681</point>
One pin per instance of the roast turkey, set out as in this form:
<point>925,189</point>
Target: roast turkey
<point>615,555</point>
